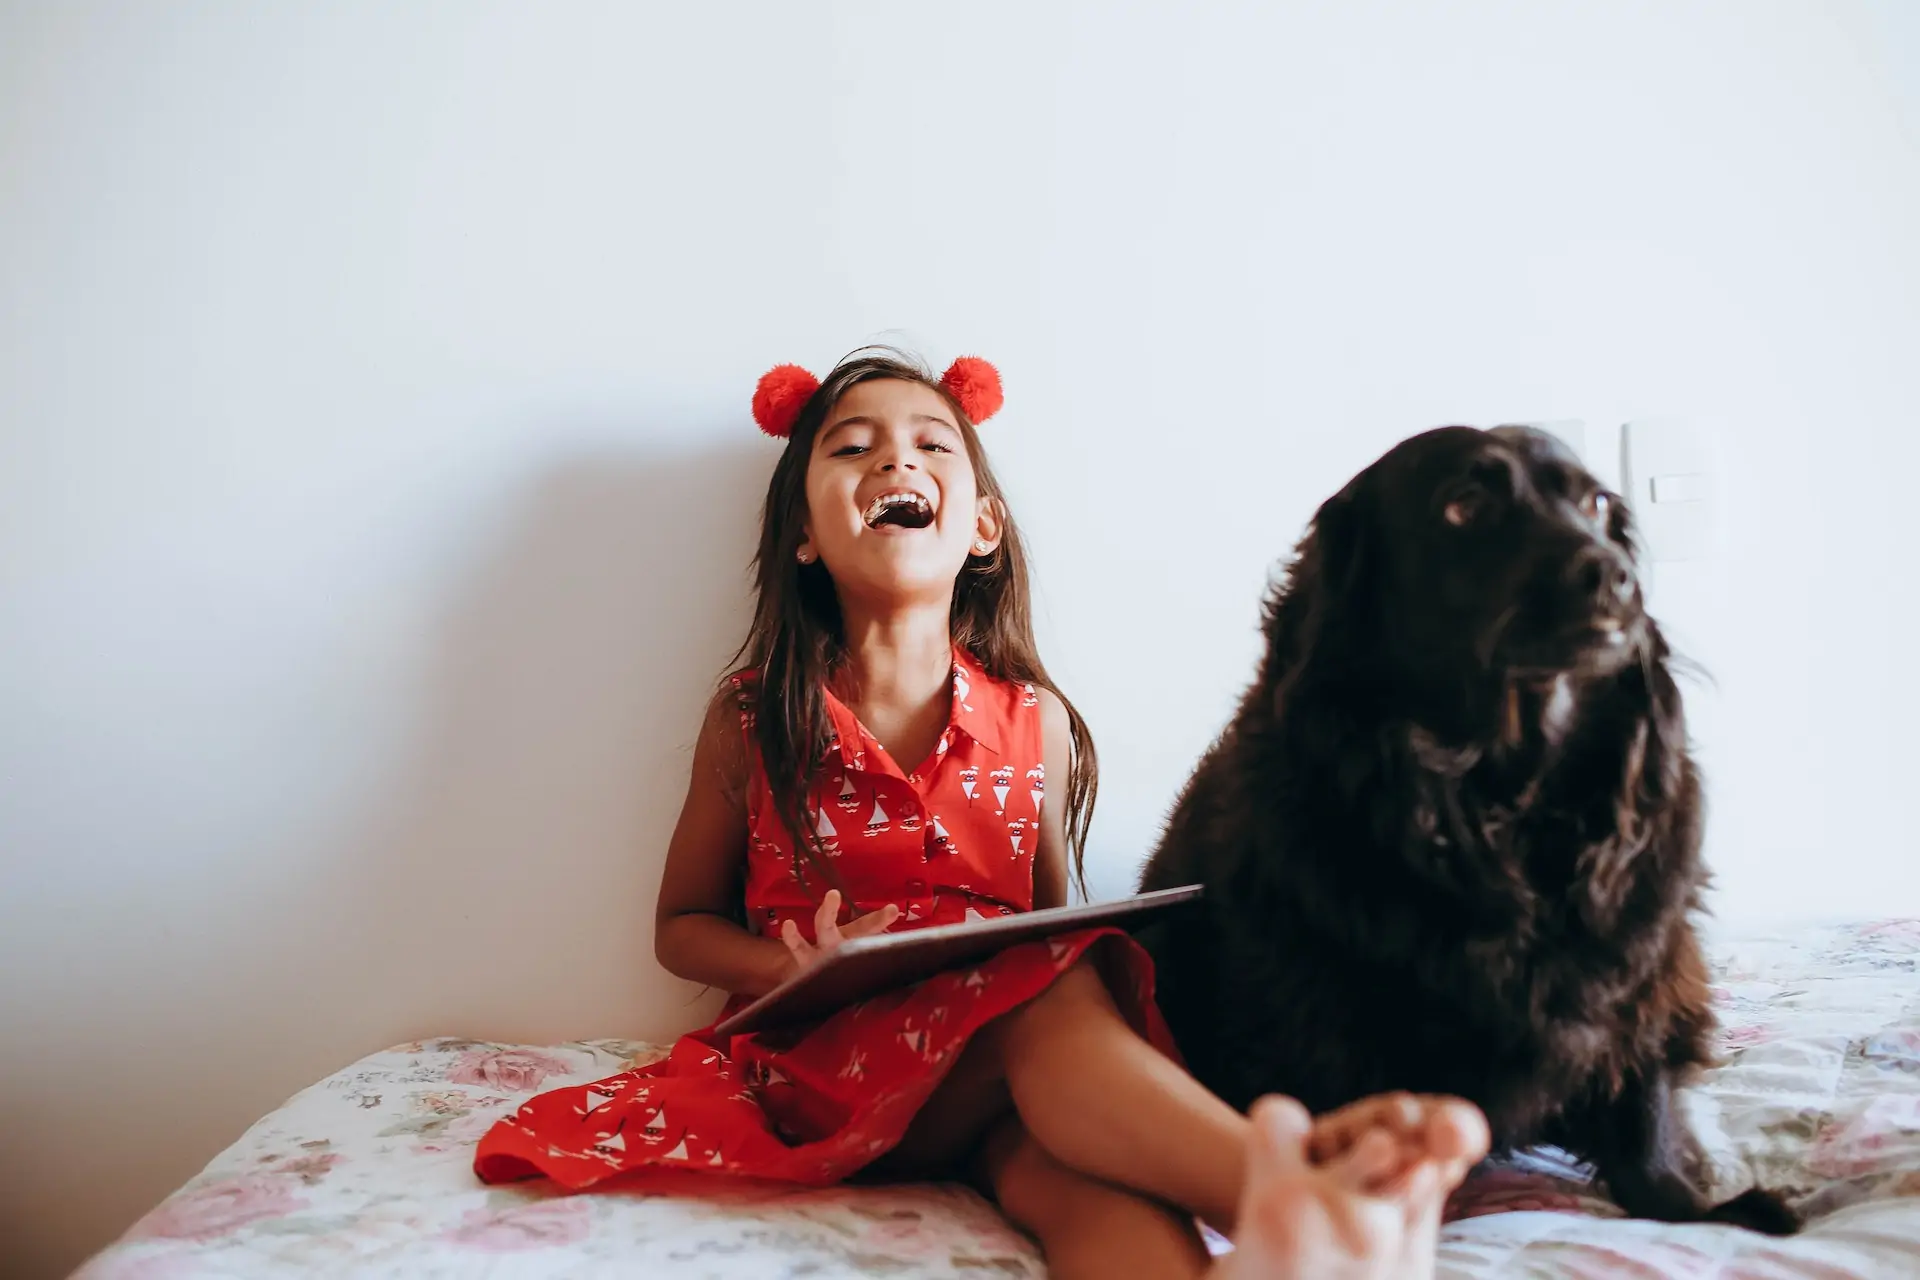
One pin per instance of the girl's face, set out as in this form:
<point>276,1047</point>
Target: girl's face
<point>893,510</point>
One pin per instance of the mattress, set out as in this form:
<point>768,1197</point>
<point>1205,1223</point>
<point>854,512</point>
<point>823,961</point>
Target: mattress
<point>367,1173</point>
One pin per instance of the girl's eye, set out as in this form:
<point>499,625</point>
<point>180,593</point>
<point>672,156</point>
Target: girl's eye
<point>934,446</point>
<point>848,450</point>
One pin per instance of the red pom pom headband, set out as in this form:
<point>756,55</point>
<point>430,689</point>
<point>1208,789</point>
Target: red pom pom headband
<point>785,389</point>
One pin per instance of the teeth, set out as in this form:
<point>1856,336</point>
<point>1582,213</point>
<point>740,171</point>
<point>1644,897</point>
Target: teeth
<point>888,501</point>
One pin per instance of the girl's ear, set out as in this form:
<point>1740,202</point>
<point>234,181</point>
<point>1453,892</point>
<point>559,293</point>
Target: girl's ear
<point>986,527</point>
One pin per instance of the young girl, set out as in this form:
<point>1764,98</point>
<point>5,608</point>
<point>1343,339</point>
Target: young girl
<point>892,756</point>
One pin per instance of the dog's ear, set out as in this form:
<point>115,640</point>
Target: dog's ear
<point>1644,701</point>
<point>1317,599</point>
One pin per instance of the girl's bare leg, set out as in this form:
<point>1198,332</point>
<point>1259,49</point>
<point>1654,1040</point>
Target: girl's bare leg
<point>1123,1127</point>
<point>1087,1228</point>
<point>1101,1100</point>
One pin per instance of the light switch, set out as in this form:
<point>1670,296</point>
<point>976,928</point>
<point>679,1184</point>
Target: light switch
<point>1669,473</point>
<point>1682,488</point>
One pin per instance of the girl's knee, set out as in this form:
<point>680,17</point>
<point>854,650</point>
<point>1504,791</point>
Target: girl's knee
<point>1081,986</point>
<point>1035,1190</point>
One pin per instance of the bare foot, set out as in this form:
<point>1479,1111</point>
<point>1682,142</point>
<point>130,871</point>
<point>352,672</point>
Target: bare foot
<point>1370,1212</point>
<point>1425,1126</point>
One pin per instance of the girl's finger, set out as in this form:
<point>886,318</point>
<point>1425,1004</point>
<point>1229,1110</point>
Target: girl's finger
<point>790,934</point>
<point>872,922</point>
<point>826,921</point>
<point>828,912</point>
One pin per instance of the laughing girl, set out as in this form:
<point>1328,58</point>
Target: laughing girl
<point>892,754</point>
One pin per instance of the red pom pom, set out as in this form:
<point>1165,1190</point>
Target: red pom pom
<point>976,385</point>
<point>783,392</point>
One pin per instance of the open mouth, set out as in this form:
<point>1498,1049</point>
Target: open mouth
<point>901,509</point>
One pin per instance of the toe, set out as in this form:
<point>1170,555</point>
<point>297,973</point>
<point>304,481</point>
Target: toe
<point>1280,1128</point>
<point>1375,1158</point>
<point>1338,1130</point>
<point>1456,1132</point>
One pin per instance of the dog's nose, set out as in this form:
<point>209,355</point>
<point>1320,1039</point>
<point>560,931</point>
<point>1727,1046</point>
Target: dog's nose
<point>1603,575</point>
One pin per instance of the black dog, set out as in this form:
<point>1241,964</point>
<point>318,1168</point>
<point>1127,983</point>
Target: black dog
<point>1451,839</point>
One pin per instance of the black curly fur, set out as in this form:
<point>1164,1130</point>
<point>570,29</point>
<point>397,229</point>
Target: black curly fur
<point>1451,839</point>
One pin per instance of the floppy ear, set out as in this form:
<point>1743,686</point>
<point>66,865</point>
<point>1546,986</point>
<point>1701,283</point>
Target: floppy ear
<point>1644,700</point>
<point>1316,599</point>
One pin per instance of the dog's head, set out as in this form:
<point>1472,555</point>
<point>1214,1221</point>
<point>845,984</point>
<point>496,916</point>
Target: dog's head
<point>1461,562</point>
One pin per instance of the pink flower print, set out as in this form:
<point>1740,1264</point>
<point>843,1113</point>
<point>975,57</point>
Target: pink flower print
<point>511,1070</point>
<point>117,1265</point>
<point>457,1134</point>
<point>1892,931</point>
<point>1510,1191</point>
<point>1745,1037</point>
<point>1900,1047</point>
<point>1877,1136</point>
<point>213,1210</point>
<point>1646,1258</point>
<point>906,1236</point>
<point>543,1224</point>
<point>309,1168</point>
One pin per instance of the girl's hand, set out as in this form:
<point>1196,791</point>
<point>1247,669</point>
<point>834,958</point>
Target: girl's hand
<point>829,933</point>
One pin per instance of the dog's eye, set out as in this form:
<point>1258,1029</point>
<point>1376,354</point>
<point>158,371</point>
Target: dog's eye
<point>1465,509</point>
<point>1597,505</point>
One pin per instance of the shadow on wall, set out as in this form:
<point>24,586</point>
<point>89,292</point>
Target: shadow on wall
<point>509,893</point>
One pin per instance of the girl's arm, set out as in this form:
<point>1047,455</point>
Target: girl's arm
<point>696,934</point>
<point>1050,858</point>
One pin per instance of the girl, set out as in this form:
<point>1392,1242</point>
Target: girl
<point>894,755</point>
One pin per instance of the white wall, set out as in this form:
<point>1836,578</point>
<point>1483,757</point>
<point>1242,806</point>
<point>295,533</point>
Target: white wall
<point>376,481</point>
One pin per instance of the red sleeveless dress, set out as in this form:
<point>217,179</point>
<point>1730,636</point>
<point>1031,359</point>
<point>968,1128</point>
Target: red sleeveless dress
<point>951,841</point>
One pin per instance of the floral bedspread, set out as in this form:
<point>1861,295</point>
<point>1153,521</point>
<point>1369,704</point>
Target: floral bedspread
<point>368,1173</point>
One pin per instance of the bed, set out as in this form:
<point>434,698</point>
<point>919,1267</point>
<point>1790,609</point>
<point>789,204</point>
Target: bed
<point>367,1172</point>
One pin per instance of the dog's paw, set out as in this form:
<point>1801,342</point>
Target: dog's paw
<point>1757,1210</point>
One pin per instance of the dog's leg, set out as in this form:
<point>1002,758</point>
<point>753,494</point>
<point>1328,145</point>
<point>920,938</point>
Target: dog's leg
<point>1650,1163</point>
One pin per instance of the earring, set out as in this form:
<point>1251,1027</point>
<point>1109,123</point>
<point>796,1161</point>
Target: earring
<point>804,556</point>
<point>980,546</point>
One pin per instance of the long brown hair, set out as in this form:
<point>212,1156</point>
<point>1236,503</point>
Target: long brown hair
<point>797,643</point>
